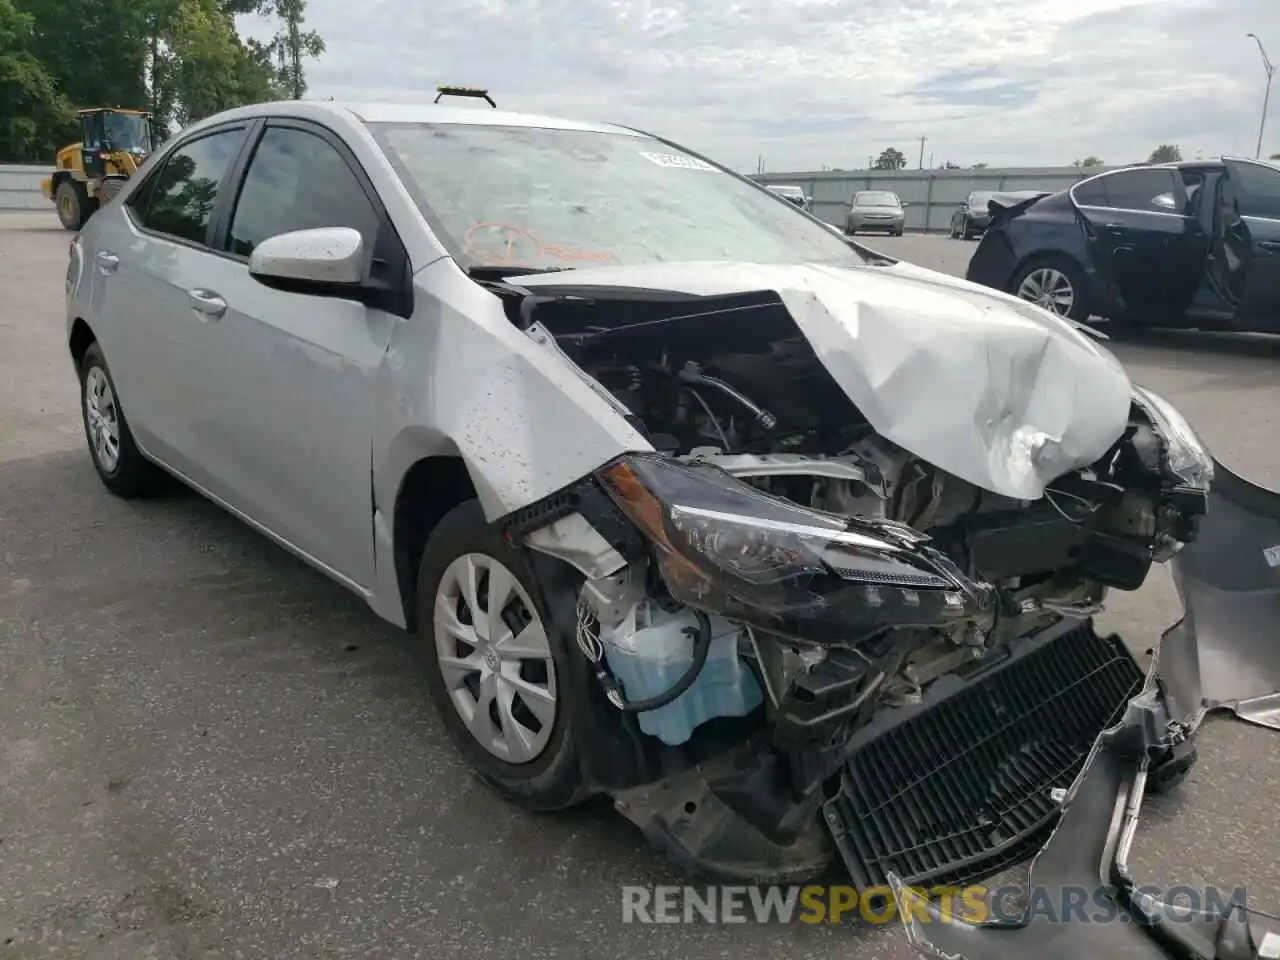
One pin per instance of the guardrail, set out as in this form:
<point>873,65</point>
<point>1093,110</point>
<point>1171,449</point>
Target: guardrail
<point>931,195</point>
<point>20,187</point>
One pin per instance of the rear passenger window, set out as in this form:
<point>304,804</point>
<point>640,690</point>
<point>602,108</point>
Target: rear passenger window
<point>298,181</point>
<point>1144,189</point>
<point>1092,194</point>
<point>181,201</point>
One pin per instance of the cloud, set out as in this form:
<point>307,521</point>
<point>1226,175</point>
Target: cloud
<point>813,83</point>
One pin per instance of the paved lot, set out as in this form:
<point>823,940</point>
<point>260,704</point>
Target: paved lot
<point>207,750</point>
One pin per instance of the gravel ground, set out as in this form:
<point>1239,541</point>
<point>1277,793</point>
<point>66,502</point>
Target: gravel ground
<point>208,750</point>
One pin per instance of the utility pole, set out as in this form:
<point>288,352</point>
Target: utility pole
<point>922,140</point>
<point>1270,68</point>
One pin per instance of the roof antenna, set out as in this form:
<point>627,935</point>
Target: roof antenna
<point>477,93</point>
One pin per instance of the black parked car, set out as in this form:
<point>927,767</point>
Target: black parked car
<point>971,218</point>
<point>1195,243</point>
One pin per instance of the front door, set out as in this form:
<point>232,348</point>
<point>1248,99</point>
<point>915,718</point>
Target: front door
<point>1145,242</point>
<point>93,145</point>
<point>1254,225</point>
<point>290,424</point>
<point>147,263</point>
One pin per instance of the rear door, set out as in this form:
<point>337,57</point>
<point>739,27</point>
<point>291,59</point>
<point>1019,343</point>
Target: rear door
<point>1257,194</point>
<point>1145,242</point>
<point>148,262</point>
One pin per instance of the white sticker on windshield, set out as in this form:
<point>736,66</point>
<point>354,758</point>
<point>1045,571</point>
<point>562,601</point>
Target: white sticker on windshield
<point>676,160</point>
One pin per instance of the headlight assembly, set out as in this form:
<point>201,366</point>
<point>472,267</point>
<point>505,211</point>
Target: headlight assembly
<point>1186,456</point>
<point>727,548</point>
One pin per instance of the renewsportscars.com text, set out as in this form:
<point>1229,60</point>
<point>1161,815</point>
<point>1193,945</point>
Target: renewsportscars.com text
<point>843,904</point>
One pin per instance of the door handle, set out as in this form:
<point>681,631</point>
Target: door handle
<point>207,303</point>
<point>1271,246</point>
<point>107,262</point>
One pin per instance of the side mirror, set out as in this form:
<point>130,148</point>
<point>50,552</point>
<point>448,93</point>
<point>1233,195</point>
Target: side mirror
<point>905,204</point>
<point>324,262</point>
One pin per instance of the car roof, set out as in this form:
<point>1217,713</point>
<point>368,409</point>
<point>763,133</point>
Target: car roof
<point>416,113</point>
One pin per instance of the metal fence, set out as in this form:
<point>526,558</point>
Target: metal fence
<point>932,195</point>
<point>20,188</point>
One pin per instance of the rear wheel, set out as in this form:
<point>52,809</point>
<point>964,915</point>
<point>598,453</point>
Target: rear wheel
<point>1055,283</point>
<point>123,469</point>
<point>494,665</point>
<point>73,203</point>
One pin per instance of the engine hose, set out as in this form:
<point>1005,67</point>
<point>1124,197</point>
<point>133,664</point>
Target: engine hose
<point>701,648</point>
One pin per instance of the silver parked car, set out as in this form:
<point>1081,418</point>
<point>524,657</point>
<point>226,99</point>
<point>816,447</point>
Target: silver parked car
<point>687,501</point>
<point>876,210</point>
<point>792,194</point>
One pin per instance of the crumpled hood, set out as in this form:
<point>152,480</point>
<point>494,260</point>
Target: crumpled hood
<point>976,382</point>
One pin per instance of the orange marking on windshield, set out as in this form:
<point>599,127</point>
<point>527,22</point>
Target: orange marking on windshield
<point>510,235</point>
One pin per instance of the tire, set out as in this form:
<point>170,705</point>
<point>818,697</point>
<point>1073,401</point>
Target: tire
<point>953,234</point>
<point>896,233</point>
<point>1069,271</point>
<point>73,204</point>
<point>123,469</point>
<point>539,772</point>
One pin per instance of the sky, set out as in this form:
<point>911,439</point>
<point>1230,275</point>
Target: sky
<point>820,84</point>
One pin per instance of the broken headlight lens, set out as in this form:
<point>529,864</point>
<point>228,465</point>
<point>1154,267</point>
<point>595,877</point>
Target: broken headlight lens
<point>725,547</point>
<point>1186,457</point>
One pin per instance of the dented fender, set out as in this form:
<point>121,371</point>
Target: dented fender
<point>521,420</point>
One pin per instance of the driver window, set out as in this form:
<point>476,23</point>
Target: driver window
<point>298,181</point>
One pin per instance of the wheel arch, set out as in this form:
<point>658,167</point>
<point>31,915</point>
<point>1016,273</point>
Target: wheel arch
<point>80,339</point>
<point>427,491</point>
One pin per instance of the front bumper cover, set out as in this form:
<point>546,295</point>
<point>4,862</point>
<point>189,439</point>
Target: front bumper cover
<point>1222,656</point>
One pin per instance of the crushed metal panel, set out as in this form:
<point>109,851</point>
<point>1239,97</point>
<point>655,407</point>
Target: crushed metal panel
<point>982,385</point>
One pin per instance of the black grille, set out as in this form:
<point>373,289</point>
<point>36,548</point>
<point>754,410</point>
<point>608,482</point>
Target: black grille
<point>954,790</point>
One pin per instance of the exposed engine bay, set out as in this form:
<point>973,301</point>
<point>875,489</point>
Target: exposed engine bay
<point>802,575</point>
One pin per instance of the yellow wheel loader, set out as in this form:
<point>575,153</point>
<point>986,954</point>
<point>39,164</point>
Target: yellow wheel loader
<point>113,145</point>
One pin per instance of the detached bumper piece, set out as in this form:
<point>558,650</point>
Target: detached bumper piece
<point>1222,657</point>
<point>966,783</point>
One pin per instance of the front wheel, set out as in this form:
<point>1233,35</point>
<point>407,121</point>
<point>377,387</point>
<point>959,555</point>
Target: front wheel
<point>73,203</point>
<point>1056,284</point>
<point>495,667</point>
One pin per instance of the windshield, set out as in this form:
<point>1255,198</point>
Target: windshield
<point>126,131</point>
<point>875,198</point>
<point>546,199</point>
<point>980,199</point>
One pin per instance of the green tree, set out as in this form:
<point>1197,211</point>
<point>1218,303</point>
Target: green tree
<point>205,67</point>
<point>293,44</point>
<point>1275,156</point>
<point>183,59</point>
<point>890,159</point>
<point>1088,162</point>
<point>1165,153</point>
<point>33,113</point>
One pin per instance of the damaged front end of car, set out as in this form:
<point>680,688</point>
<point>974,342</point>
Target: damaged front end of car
<point>801,642</point>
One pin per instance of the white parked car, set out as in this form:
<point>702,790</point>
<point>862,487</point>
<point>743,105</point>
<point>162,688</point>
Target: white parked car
<point>687,499</point>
